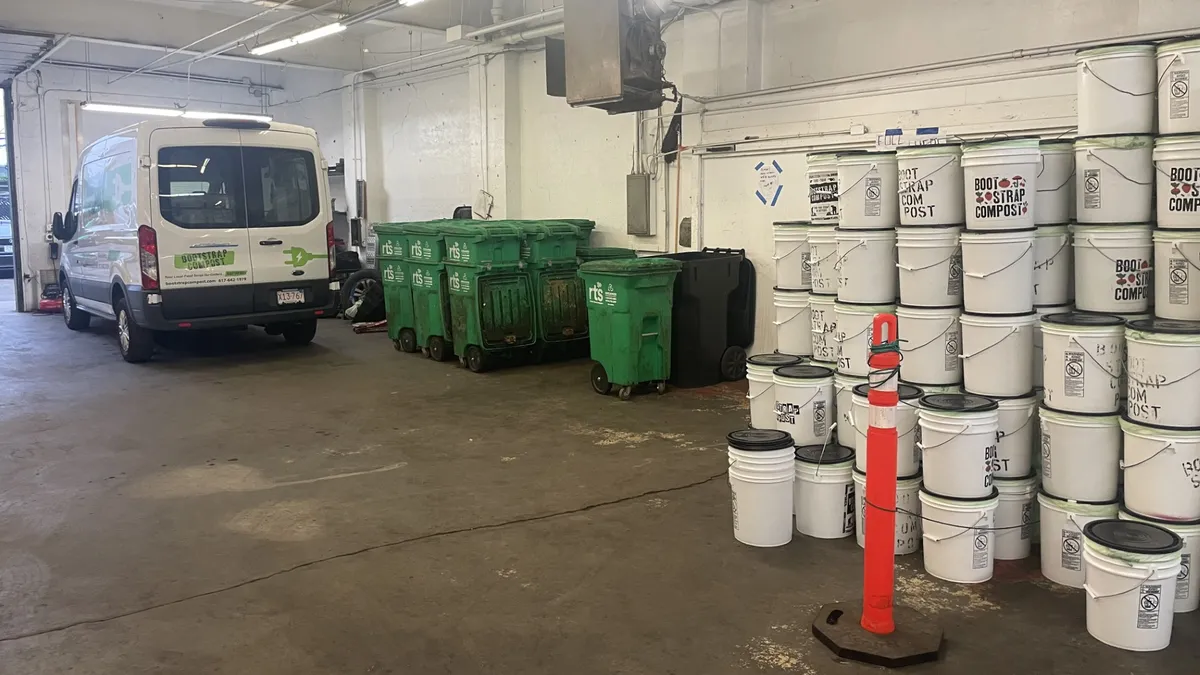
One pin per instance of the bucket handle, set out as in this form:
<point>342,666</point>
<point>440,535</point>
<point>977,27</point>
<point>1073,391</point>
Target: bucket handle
<point>976,275</point>
<point>898,432</point>
<point>1024,424</point>
<point>861,179</point>
<point>837,264</point>
<point>939,335</point>
<point>1160,384</point>
<point>843,339</point>
<point>789,253</point>
<point>1168,446</point>
<point>913,184</point>
<point>1075,339</point>
<point>794,316</point>
<point>1087,68</point>
<point>1046,265</point>
<point>750,397</point>
<point>1101,252</point>
<point>965,429</point>
<point>1062,185</point>
<point>818,262</point>
<point>1012,330</point>
<point>969,528</point>
<point>1096,596</point>
<point>1119,172</point>
<point>906,268</point>
<point>1175,245</point>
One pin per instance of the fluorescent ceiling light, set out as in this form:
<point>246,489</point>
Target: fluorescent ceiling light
<point>202,115</point>
<point>410,3</point>
<point>323,31</point>
<point>132,110</point>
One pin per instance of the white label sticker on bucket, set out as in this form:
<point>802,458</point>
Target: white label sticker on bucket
<point>872,201</point>
<point>1073,374</point>
<point>1149,604</point>
<point>1072,546</point>
<point>1003,196</point>
<point>1177,276</point>
<point>953,343</point>
<point>820,419</point>
<point>1091,188</point>
<point>954,283</point>
<point>1180,100</point>
<point>848,514</point>
<point>823,195</point>
<point>1046,466</point>
<point>979,553</point>
<point>1183,589</point>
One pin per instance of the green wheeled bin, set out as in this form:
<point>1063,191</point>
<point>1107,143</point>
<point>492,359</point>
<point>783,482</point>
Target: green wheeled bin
<point>547,243</point>
<point>584,226</point>
<point>424,242</point>
<point>489,245</point>
<point>397,291</point>
<point>491,312</point>
<point>561,311</point>
<point>629,316</point>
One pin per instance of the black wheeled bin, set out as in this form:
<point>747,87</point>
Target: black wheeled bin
<point>713,322</point>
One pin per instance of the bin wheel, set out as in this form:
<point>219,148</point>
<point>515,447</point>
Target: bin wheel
<point>662,388</point>
<point>476,360</point>
<point>625,393</point>
<point>408,341</point>
<point>600,380</point>
<point>733,364</point>
<point>437,348</point>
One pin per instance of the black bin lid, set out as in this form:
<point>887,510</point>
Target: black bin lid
<point>774,360</point>
<point>1133,537</point>
<point>1168,326</point>
<point>958,403</point>
<point>1082,319</point>
<point>824,454</point>
<point>907,392</point>
<point>804,372</point>
<point>760,440</point>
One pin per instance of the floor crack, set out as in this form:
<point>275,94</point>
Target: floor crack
<point>351,554</point>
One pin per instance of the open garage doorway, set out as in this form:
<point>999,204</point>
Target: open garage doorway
<point>10,290</point>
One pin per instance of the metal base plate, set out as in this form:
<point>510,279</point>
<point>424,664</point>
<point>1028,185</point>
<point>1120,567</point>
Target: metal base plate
<point>917,639</point>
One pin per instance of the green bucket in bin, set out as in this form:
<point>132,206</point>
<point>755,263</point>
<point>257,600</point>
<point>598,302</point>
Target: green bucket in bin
<point>629,315</point>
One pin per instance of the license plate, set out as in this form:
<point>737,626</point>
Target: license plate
<point>289,297</point>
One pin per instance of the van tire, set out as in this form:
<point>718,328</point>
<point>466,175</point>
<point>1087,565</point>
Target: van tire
<point>300,333</point>
<point>137,343</point>
<point>72,316</point>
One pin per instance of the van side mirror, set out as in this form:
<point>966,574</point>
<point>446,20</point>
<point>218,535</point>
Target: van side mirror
<point>58,227</point>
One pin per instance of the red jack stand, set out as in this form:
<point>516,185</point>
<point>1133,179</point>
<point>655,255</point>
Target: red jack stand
<point>873,630</point>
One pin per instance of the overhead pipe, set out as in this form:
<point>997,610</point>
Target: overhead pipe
<point>208,53</point>
<point>532,34</point>
<point>225,57</point>
<point>541,17</point>
<point>203,79</point>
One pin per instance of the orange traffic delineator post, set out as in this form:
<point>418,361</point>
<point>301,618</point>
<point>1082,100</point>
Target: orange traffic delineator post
<point>875,631</point>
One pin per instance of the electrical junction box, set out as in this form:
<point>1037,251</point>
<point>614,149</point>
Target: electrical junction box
<point>639,205</point>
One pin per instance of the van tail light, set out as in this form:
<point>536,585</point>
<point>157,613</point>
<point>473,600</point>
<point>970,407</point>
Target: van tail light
<point>148,257</point>
<point>331,245</point>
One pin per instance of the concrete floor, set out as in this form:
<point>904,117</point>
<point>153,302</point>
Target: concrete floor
<point>242,507</point>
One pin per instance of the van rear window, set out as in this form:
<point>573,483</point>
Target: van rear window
<point>202,187</point>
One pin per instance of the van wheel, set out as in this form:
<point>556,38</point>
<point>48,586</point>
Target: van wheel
<point>137,343</point>
<point>300,333</point>
<point>75,319</point>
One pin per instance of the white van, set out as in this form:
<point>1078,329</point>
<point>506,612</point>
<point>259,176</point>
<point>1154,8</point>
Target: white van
<point>185,225</point>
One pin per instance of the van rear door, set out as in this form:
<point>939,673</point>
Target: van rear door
<point>287,210</point>
<point>204,257</point>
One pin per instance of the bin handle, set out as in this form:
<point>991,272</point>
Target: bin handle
<point>794,317</point>
<point>843,339</point>
<point>1011,331</point>
<point>1096,596</point>
<point>945,330</point>
<point>789,253</point>
<point>969,528</point>
<point>1168,446</point>
<point>965,429</point>
<point>976,275</point>
<point>906,268</point>
<point>837,265</point>
<point>1094,360</point>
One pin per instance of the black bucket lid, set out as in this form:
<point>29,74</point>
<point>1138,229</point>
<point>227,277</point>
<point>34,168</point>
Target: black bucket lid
<point>907,392</point>
<point>1131,536</point>
<point>1081,319</point>
<point>824,454</point>
<point>760,440</point>
<point>804,372</point>
<point>789,290</point>
<point>995,493</point>
<point>792,222</point>
<point>1168,326</point>
<point>1160,521</point>
<point>774,360</point>
<point>860,472</point>
<point>958,403</point>
<point>1042,491</point>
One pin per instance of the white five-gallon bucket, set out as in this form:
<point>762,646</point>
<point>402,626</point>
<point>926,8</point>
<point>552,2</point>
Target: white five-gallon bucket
<point>823,256</point>
<point>793,323</point>
<point>1163,371</point>
<point>1015,517</point>
<point>931,185</point>
<point>1037,338</point>
<point>868,184</point>
<point>908,455</point>
<point>1177,178</point>
<point>824,491</point>
<point>1131,570</point>
<point>1162,472</point>
<point>959,537</point>
<point>853,336</point>
<point>823,188</point>
<point>930,263</point>
<point>792,255</point>
<point>846,431</point>
<point>908,512</point>
<point>1116,86</point>
<point>1000,181</point>
<point>1052,256</point>
<point>760,379</point>
<point>1061,523</point>
<point>1081,455</point>
<point>930,345</point>
<point>1056,183</point>
<point>866,266</point>
<point>761,472</point>
<point>1187,584</point>
<point>1177,283</point>
<point>1083,357</point>
<point>1115,177</point>
<point>804,403</point>
<point>1113,268</point>
<point>1176,114</point>
<point>995,349</point>
<point>823,319</point>
<point>998,271</point>
<point>1014,455</point>
<point>958,441</point>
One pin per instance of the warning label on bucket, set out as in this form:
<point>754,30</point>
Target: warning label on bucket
<point>954,283</point>
<point>1073,374</point>
<point>820,419</point>
<point>952,350</point>
<point>848,513</point>
<point>1180,100</point>
<point>1091,188</point>
<point>1183,589</point>
<point>1072,548</point>
<point>1177,276</point>
<point>1148,606</point>
<point>1046,472</point>
<point>979,555</point>
<point>806,268</point>
<point>1026,521</point>
<point>873,202</point>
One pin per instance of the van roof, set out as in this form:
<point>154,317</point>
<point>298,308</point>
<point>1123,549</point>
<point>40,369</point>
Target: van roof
<point>145,128</point>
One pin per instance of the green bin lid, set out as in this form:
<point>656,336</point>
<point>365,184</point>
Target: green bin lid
<point>482,230</point>
<point>424,228</point>
<point>632,266</point>
<point>389,228</point>
<point>546,228</point>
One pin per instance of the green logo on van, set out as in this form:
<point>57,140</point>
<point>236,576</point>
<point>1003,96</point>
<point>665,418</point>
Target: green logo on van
<point>204,260</point>
<point>298,257</point>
